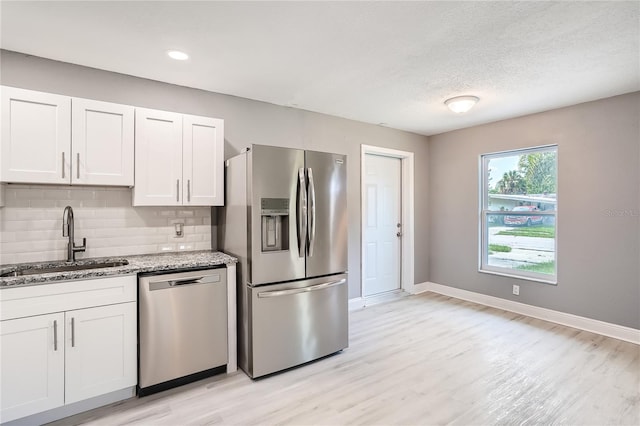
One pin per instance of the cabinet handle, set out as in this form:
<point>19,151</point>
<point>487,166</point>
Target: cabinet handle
<point>55,335</point>
<point>177,189</point>
<point>188,190</point>
<point>73,332</point>
<point>78,166</point>
<point>62,164</point>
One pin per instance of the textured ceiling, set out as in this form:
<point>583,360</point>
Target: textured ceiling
<point>378,62</point>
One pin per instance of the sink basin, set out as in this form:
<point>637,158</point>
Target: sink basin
<point>32,270</point>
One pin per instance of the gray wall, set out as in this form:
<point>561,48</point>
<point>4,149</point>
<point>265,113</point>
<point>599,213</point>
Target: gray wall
<point>246,122</point>
<point>598,208</point>
<point>599,159</point>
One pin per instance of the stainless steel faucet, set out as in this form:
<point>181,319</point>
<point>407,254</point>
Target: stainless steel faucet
<point>68,231</point>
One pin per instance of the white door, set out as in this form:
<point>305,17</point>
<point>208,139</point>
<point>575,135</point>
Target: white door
<point>203,161</point>
<point>101,349</point>
<point>382,205</point>
<point>32,365</point>
<point>158,162</point>
<point>35,136</point>
<point>102,135</point>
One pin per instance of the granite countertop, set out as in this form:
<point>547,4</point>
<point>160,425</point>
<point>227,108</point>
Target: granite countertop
<point>137,264</point>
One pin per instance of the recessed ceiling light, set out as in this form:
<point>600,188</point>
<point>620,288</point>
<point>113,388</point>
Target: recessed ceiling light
<point>177,55</point>
<point>461,104</point>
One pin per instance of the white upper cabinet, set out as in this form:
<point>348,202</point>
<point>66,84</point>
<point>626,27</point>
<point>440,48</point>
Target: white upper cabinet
<point>36,136</point>
<point>49,138</point>
<point>102,143</point>
<point>203,161</point>
<point>179,159</point>
<point>158,158</point>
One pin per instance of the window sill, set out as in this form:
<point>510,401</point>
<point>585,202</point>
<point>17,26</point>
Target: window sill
<point>551,281</point>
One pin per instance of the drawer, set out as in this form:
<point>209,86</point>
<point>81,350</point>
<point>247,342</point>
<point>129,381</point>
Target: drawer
<point>41,299</point>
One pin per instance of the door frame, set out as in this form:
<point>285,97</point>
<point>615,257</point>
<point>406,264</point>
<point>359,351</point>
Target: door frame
<point>407,209</point>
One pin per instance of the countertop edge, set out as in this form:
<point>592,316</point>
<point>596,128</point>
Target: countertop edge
<point>138,264</point>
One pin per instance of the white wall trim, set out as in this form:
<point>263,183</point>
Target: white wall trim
<point>356,303</point>
<point>420,288</point>
<point>407,249</point>
<point>620,332</point>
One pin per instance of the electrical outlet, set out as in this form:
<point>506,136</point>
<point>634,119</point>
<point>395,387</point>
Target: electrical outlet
<point>516,290</point>
<point>179,230</point>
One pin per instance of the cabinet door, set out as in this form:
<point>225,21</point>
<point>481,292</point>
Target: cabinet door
<point>102,143</point>
<point>32,365</point>
<point>36,136</point>
<point>100,345</point>
<point>203,161</point>
<point>158,162</point>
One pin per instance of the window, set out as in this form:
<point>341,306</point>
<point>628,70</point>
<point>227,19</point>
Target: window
<point>519,203</point>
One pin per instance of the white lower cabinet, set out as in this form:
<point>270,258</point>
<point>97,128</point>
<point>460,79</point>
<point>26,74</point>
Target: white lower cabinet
<point>76,353</point>
<point>100,351</point>
<point>32,365</point>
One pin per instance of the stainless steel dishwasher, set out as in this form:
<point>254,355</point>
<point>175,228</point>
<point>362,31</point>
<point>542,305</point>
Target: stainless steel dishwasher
<point>182,328</point>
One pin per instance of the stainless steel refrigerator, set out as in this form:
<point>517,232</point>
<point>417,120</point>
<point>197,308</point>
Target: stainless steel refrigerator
<point>285,218</point>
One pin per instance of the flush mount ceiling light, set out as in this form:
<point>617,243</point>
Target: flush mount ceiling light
<point>461,104</point>
<point>177,55</point>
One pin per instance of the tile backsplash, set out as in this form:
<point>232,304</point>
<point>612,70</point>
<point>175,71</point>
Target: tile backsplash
<point>31,224</point>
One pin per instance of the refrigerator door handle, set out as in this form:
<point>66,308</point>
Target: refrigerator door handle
<point>312,207</point>
<point>302,213</point>
<point>276,293</point>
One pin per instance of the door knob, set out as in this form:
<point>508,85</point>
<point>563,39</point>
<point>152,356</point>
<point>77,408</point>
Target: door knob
<point>399,234</point>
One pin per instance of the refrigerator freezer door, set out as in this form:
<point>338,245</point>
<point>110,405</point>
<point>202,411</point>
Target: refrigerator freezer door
<point>327,213</point>
<point>274,177</point>
<point>297,322</point>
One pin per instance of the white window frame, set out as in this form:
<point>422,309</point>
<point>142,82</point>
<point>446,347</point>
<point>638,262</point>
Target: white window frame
<point>483,250</point>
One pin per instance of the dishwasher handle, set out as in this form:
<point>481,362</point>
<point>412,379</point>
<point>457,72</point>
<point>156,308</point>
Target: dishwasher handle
<point>186,281</point>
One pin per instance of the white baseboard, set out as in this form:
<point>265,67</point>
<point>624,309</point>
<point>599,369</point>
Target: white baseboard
<point>356,303</point>
<point>627,334</point>
<point>419,288</point>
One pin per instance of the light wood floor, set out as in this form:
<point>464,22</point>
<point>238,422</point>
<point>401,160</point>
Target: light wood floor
<point>425,359</point>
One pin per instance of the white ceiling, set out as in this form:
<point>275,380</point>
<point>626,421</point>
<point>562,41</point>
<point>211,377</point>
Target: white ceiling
<point>378,62</point>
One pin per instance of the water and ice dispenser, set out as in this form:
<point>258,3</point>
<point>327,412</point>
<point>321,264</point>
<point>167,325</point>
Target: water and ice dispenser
<point>275,224</point>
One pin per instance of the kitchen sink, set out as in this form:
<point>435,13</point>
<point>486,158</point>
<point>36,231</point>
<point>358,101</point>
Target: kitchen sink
<point>63,267</point>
